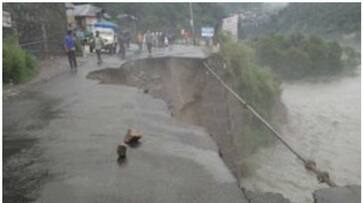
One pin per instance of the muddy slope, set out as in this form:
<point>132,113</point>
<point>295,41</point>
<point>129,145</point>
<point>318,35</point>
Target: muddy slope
<point>193,96</point>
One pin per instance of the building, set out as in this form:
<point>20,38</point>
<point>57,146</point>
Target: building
<point>86,15</point>
<point>8,28</point>
<point>230,24</point>
<point>6,19</point>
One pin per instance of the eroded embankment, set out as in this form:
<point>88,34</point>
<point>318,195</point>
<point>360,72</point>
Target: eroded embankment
<point>193,96</point>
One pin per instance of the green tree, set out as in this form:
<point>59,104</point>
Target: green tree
<point>297,56</point>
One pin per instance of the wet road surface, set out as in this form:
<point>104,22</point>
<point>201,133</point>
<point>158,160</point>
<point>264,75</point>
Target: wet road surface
<point>61,135</point>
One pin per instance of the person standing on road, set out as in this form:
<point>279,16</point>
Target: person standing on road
<point>70,48</point>
<point>139,41</point>
<point>154,35</point>
<point>98,47</point>
<point>127,39</point>
<point>166,41</point>
<point>149,41</point>
<point>121,41</point>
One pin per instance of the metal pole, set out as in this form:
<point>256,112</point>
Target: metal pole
<point>192,21</point>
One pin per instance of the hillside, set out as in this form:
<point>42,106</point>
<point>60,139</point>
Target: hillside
<point>331,20</point>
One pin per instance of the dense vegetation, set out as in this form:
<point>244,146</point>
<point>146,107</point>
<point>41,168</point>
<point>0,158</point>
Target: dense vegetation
<point>297,56</point>
<point>325,19</point>
<point>18,64</point>
<point>294,40</point>
<point>30,19</point>
<point>253,81</point>
<point>257,85</point>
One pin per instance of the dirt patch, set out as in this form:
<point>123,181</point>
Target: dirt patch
<point>109,76</point>
<point>193,96</point>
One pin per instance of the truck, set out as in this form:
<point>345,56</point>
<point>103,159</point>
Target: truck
<point>108,33</point>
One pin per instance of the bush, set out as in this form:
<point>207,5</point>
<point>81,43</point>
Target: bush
<point>255,83</point>
<point>259,87</point>
<point>297,56</point>
<point>351,58</point>
<point>18,64</point>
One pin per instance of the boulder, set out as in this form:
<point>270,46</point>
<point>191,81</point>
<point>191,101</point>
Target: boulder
<point>132,136</point>
<point>121,151</point>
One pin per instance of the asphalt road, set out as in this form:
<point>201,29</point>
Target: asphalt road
<point>60,139</point>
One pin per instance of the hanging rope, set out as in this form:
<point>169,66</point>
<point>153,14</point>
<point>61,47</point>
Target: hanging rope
<point>322,176</point>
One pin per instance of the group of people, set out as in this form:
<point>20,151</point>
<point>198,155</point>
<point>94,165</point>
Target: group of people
<point>123,40</point>
<point>155,39</point>
<point>70,48</point>
<point>150,39</point>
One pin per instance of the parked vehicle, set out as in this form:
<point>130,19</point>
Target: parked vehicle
<point>108,33</point>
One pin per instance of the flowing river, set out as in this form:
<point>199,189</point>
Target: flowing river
<point>323,125</point>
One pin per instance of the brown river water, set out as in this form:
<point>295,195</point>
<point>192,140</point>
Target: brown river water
<point>324,124</point>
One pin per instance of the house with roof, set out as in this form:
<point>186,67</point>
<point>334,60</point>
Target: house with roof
<point>86,15</point>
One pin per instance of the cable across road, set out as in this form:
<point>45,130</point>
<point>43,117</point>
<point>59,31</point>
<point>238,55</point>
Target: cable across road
<point>322,176</point>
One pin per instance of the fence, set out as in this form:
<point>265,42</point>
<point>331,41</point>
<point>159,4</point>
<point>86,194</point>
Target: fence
<point>39,27</point>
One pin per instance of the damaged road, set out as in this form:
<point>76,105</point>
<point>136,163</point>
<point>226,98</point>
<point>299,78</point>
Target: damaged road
<point>71,127</point>
<point>61,138</point>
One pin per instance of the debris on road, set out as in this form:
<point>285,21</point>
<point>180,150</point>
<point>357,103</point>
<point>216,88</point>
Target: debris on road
<point>132,136</point>
<point>121,151</point>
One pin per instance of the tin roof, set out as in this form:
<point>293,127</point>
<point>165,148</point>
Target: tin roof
<point>86,10</point>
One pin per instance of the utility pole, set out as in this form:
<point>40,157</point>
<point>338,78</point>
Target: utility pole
<point>192,21</point>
